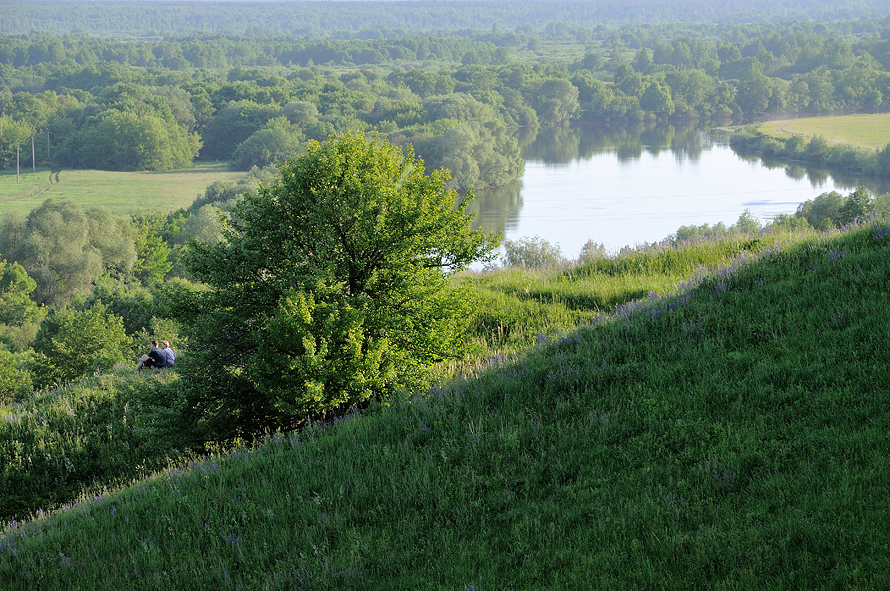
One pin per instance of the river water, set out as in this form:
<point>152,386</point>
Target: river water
<point>628,185</point>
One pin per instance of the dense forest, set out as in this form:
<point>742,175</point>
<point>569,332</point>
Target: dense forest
<point>159,103</point>
<point>454,88</point>
<point>393,18</point>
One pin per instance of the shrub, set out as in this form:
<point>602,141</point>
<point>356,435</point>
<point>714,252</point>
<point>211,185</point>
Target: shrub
<point>534,252</point>
<point>74,343</point>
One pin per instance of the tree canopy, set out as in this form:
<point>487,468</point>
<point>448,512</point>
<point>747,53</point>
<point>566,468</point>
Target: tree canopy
<point>330,287</point>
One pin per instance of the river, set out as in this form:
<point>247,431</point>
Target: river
<point>628,185</point>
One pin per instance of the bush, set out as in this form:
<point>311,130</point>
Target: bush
<point>592,251</point>
<point>74,343</point>
<point>268,146</point>
<point>15,381</point>
<point>534,252</point>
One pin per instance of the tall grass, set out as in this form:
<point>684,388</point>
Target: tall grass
<point>76,441</point>
<point>517,304</point>
<point>732,433</point>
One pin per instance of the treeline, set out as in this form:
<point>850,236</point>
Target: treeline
<point>815,151</point>
<point>392,18</point>
<point>828,211</point>
<point>220,52</point>
<point>94,106</point>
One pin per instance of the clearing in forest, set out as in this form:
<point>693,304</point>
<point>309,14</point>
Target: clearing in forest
<point>864,131</point>
<point>119,192</point>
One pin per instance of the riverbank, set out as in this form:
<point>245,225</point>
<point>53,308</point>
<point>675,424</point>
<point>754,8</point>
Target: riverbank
<point>814,151</point>
<point>861,131</point>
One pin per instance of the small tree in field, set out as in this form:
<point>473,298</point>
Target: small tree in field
<point>331,287</point>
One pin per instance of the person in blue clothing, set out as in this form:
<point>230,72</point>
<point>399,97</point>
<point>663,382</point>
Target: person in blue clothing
<point>154,358</point>
<point>169,355</point>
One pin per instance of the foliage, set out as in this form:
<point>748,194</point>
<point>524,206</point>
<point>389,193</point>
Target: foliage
<point>72,344</point>
<point>235,122</point>
<point>66,249</point>
<point>556,102</point>
<point>319,31</point>
<point>16,306</point>
<point>273,143</point>
<point>15,379</point>
<point>816,151</point>
<point>477,154</point>
<point>20,316</point>
<point>331,288</point>
<point>833,210</point>
<point>150,105</point>
<point>592,251</point>
<point>133,304</point>
<point>14,135</point>
<point>151,265</point>
<point>534,252</point>
<point>124,140</point>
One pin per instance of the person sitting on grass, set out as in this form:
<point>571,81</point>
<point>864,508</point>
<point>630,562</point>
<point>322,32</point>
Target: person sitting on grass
<point>168,353</point>
<point>154,358</point>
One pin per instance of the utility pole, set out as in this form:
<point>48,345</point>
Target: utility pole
<point>48,161</point>
<point>33,159</point>
<point>17,164</point>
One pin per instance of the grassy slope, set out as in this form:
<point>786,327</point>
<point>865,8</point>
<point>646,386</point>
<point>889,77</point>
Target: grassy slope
<point>732,438</point>
<point>76,441</point>
<point>864,131</point>
<point>119,192</point>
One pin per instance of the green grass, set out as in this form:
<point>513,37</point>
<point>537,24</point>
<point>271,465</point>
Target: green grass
<point>119,192</point>
<point>517,304</point>
<point>731,433</point>
<point>74,442</point>
<point>863,131</point>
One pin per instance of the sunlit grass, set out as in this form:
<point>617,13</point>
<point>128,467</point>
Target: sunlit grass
<point>730,432</point>
<point>119,192</point>
<point>863,131</point>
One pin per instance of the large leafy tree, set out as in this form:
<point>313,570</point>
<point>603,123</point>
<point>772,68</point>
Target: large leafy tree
<point>278,141</point>
<point>332,287</point>
<point>14,134</point>
<point>65,249</point>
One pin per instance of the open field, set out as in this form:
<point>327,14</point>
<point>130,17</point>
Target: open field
<point>118,192</point>
<point>864,131</point>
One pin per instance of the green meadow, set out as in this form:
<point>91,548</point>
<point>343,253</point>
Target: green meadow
<point>119,192</point>
<point>862,131</point>
<point>705,416</point>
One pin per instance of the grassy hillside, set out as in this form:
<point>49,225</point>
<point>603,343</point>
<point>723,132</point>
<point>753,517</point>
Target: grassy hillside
<point>862,131</point>
<point>119,192</point>
<point>729,433</point>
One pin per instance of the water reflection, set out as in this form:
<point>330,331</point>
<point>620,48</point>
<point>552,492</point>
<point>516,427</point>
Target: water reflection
<point>623,184</point>
<point>563,145</point>
<point>497,209</point>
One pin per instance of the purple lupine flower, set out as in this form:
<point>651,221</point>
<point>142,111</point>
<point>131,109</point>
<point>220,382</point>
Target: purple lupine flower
<point>835,256</point>
<point>880,232</point>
